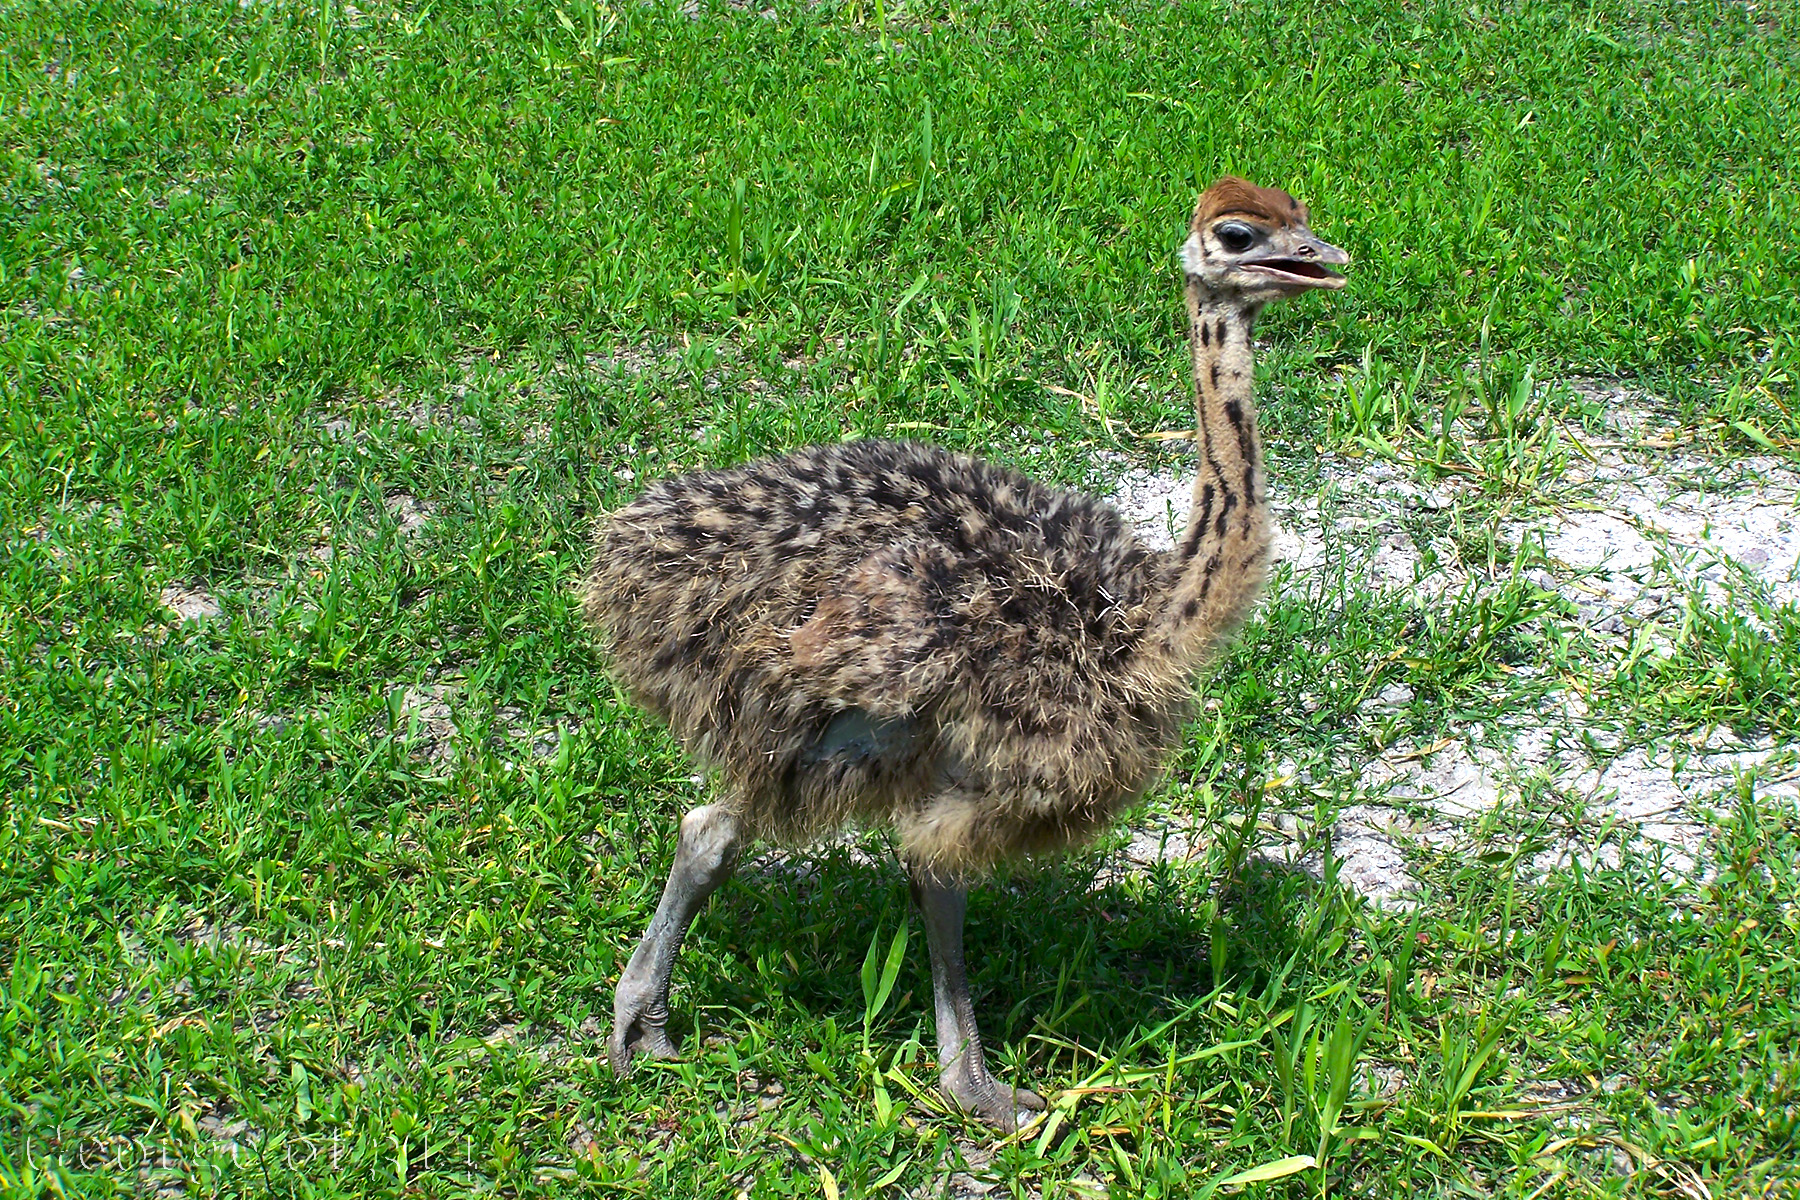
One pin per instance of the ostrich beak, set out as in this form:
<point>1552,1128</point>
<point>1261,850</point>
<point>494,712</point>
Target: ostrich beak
<point>1301,261</point>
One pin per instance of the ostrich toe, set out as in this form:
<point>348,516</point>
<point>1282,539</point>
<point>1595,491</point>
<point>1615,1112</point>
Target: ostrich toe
<point>639,1027</point>
<point>978,1093</point>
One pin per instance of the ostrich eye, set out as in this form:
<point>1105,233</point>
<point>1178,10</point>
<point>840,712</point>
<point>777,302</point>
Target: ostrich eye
<point>1235,236</point>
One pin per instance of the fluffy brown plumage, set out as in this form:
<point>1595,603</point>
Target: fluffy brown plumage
<point>887,632</point>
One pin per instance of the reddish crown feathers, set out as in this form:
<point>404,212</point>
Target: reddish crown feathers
<point>1234,197</point>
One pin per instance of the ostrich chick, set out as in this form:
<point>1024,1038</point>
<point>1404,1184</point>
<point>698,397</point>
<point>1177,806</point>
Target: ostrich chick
<point>890,634</point>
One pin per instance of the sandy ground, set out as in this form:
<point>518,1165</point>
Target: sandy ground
<point>1633,525</point>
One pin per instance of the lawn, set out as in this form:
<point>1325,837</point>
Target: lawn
<point>327,330</point>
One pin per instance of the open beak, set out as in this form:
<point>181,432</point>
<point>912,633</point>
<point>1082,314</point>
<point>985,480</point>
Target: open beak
<point>1306,264</point>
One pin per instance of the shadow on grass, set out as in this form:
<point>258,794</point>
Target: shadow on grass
<point>1075,949</point>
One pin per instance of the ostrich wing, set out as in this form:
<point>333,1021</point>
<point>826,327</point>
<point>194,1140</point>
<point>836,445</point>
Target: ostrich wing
<point>883,640</point>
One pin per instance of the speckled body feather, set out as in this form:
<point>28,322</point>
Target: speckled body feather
<point>889,633</point>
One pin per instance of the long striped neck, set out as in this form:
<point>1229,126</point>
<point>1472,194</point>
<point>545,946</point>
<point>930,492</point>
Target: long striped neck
<point>1221,558</point>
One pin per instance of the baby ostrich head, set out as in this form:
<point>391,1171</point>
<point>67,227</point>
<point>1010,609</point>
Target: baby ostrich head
<point>1252,245</point>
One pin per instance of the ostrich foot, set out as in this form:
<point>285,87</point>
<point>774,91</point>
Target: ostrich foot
<point>979,1094</point>
<point>639,1020</point>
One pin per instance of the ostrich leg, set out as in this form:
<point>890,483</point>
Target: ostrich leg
<point>704,859</point>
<point>963,1074</point>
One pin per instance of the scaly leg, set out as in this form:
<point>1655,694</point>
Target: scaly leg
<point>962,1068</point>
<point>704,859</point>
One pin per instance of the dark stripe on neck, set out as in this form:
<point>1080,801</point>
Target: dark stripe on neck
<point>1212,461</point>
<point>1206,577</point>
<point>1197,526</point>
<point>1246,448</point>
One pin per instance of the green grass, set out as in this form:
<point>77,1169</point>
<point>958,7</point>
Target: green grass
<point>265,269</point>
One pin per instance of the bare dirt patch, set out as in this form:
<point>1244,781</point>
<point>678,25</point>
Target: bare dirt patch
<point>437,717</point>
<point>1638,522</point>
<point>1653,798</point>
<point>431,723</point>
<point>188,603</point>
<point>409,513</point>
